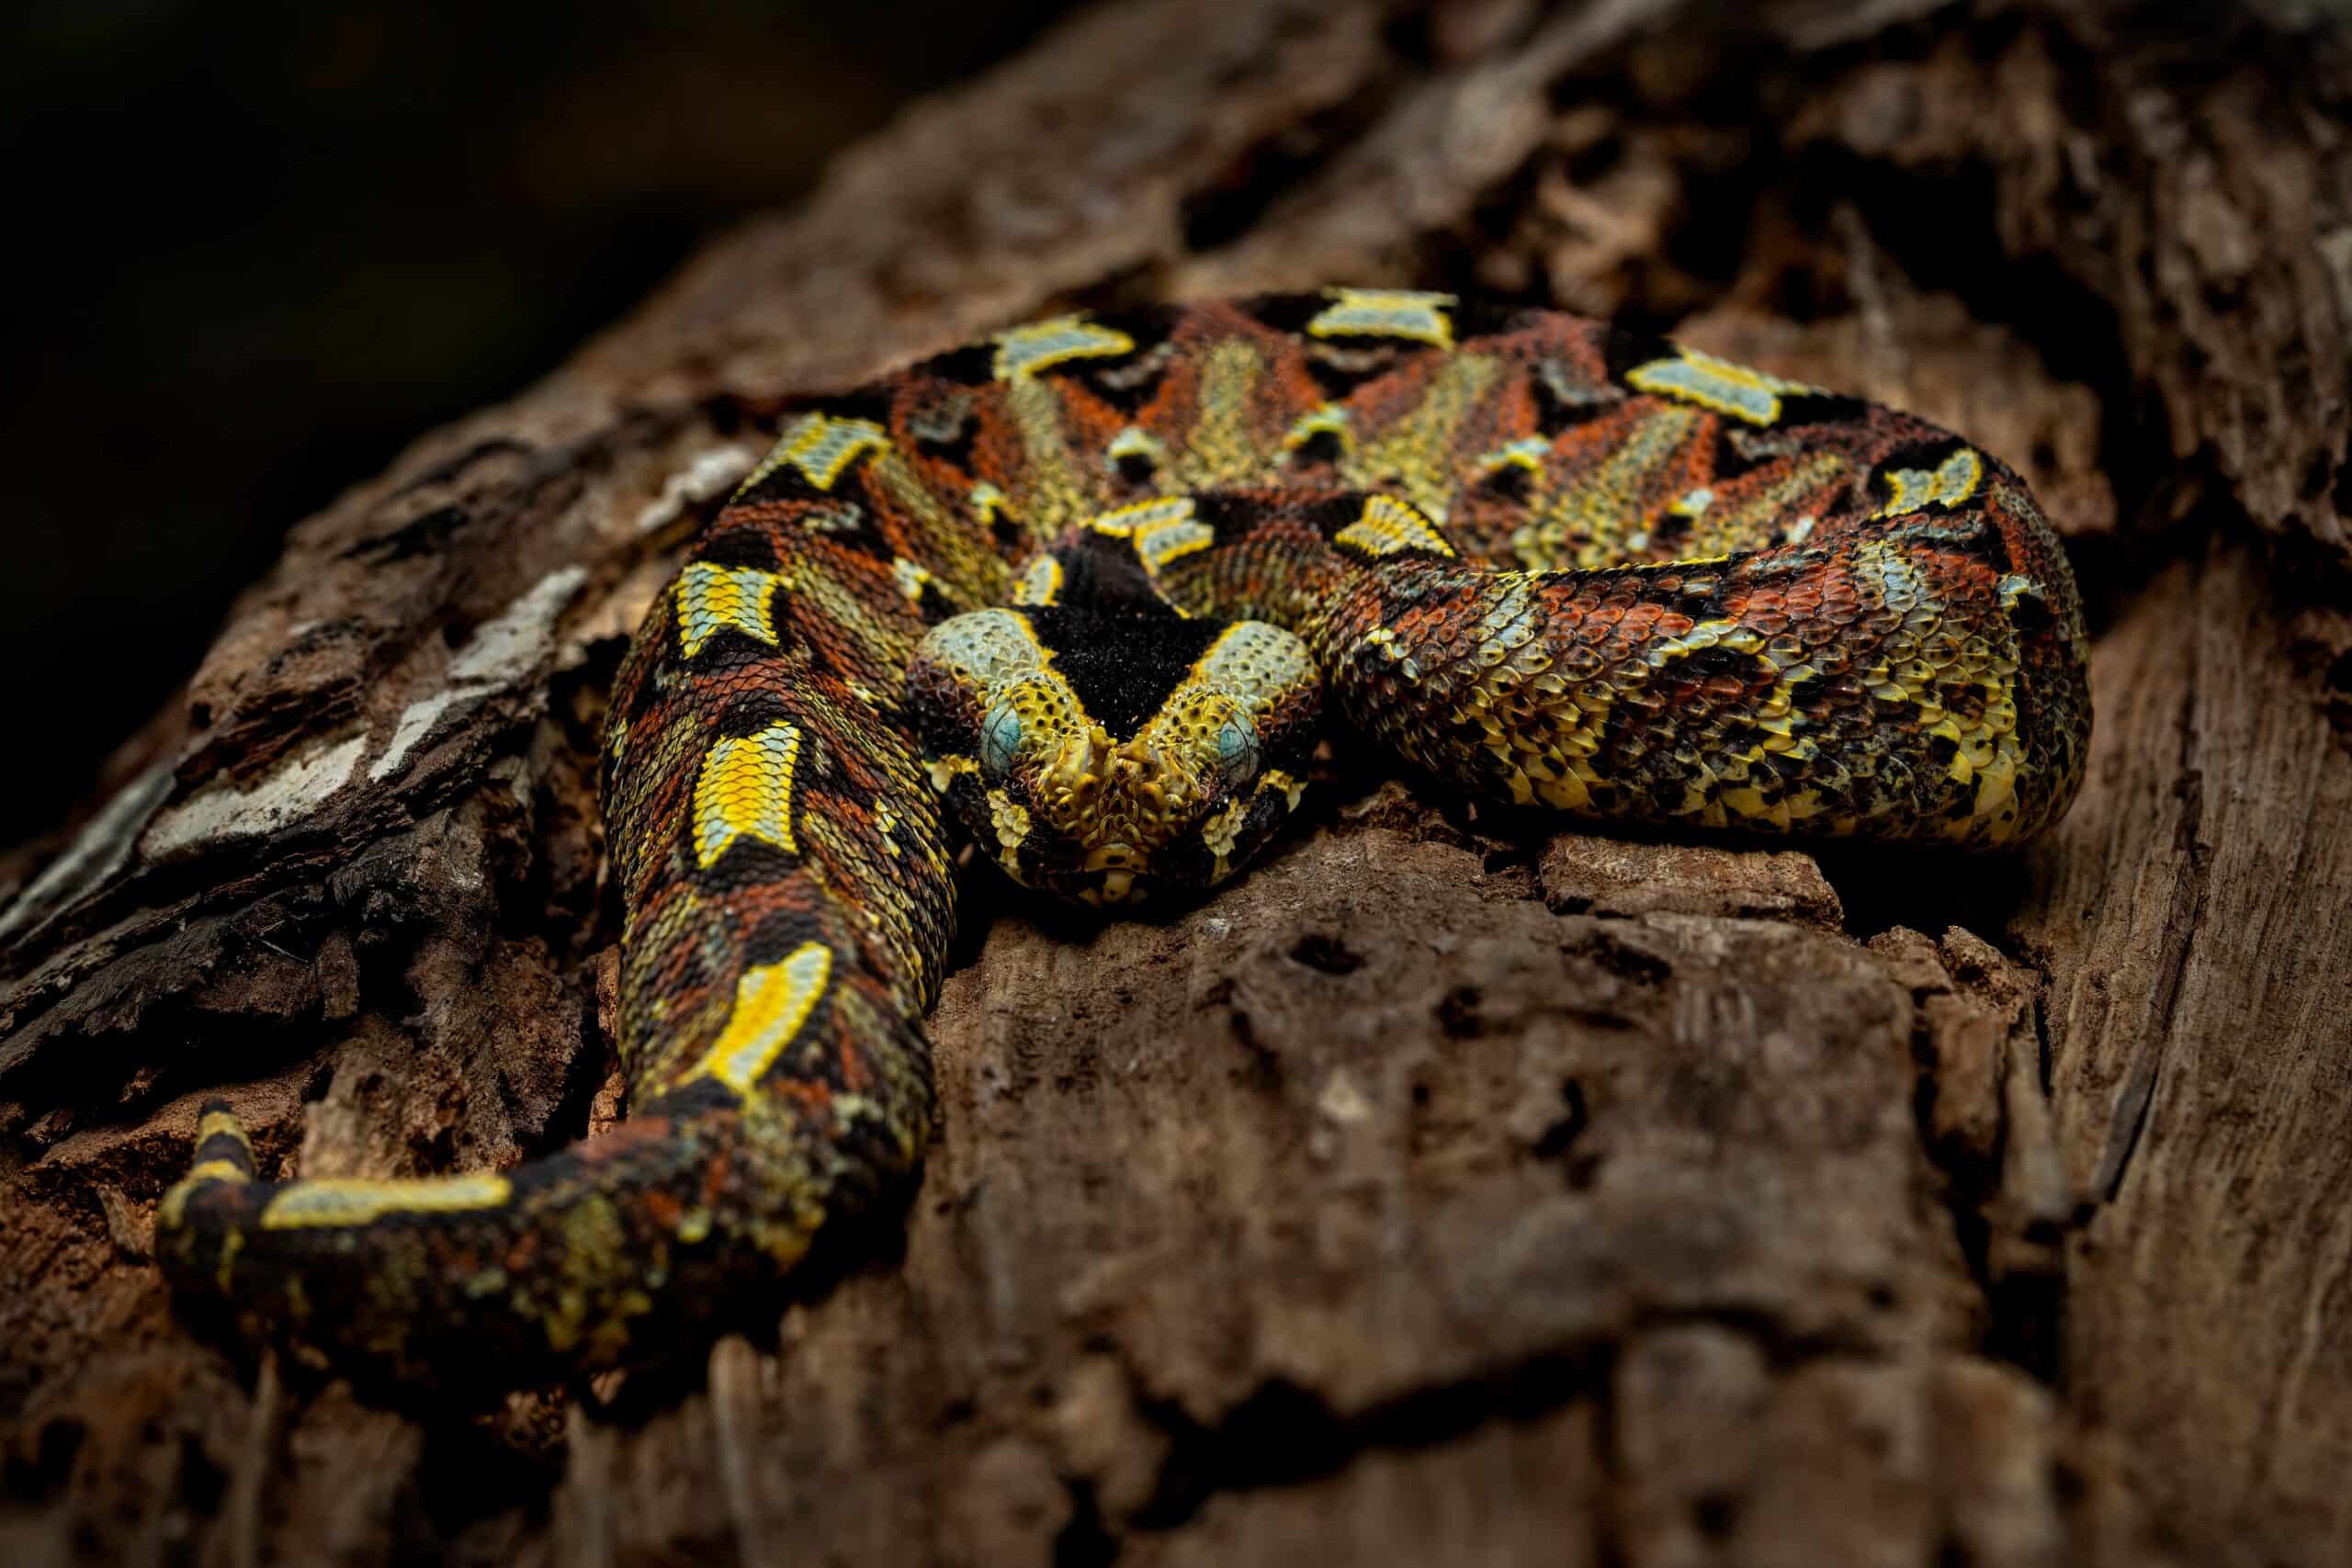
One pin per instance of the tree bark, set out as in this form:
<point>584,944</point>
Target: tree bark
<point>1448,1189</point>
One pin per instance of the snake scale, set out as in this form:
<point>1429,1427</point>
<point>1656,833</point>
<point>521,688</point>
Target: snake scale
<point>1084,588</point>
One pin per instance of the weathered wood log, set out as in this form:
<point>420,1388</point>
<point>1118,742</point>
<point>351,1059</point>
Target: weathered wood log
<point>1448,1189</point>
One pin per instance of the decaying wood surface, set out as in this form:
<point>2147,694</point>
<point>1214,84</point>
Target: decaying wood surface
<point>1448,1189</point>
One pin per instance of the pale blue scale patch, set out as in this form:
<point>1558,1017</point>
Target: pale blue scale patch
<point>1024,351</point>
<point>1412,314</point>
<point>1237,750</point>
<point>1716,384</point>
<point>999,741</point>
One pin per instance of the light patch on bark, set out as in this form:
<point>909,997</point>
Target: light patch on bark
<point>504,652</point>
<point>221,811</point>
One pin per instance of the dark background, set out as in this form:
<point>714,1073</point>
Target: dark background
<point>254,249</point>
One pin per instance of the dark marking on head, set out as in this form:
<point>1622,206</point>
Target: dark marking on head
<point>944,427</point>
<point>1321,447</point>
<point>1339,366</point>
<point>1562,401</point>
<point>974,365</point>
<point>1121,665</point>
<point>1128,384</point>
<point>1511,482</point>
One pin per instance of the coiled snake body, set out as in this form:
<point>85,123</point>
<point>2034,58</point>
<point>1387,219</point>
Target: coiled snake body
<point>1084,586</point>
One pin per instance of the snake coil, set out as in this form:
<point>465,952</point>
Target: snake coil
<point>1086,586</point>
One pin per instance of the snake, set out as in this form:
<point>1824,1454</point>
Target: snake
<point>1076,599</point>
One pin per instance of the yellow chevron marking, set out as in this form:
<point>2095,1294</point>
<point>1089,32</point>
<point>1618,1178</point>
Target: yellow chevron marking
<point>1528,452</point>
<point>1129,522</point>
<point>1155,547</point>
<point>1040,583</point>
<point>1135,441</point>
<point>1257,664</point>
<point>1388,527</point>
<point>988,505</point>
<point>1329,420</point>
<point>1024,351</point>
<point>1385,312</point>
<point>339,1202</point>
<point>1293,788</point>
<point>745,791</point>
<point>1716,384</point>
<point>220,1124</point>
<point>773,1001</point>
<point>1949,482</point>
<point>174,1208</point>
<point>821,447</point>
<point>712,597</point>
<point>910,578</point>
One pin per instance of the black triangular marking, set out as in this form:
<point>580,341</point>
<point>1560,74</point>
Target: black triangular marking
<point>1121,665</point>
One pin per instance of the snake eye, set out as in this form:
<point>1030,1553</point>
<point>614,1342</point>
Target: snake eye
<point>999,738</point>
<point>1236,749</point>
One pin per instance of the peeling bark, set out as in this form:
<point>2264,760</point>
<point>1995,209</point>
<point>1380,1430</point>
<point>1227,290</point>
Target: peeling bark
<point>1449,1189</point>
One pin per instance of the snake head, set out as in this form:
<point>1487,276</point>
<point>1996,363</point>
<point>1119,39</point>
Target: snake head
<point>1108,757</point>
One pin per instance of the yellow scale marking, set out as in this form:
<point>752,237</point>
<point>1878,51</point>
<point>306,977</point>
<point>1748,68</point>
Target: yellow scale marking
<point>333,1201</point>
<point>1949,482</point>
<point>822,448</point>
<point>1526,453</point>
<point>745,791</point>
<point>222,1123</point>
<point>1170,541</point>
<point>1040,584</point>
<point>1716,384</point>
<point>1328,420</point>
<point>1390,527</point>
<point>772,1002</point>
<point>1024,351</point>
<point>1127,522</point>
<point>1223,451</point>
<point>1134,442</point>
<point>1385,312</point>
<point>988,505</point>
<point>1410,455</point>
<point>711,598</point>
<point>910,578</point>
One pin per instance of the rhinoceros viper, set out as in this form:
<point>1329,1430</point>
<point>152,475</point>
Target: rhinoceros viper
<point>1083,586</point>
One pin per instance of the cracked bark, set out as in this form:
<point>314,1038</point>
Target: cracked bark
<point>1448,1189</point>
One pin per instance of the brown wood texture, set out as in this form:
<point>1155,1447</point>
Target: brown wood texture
<point>1449,1189</point>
